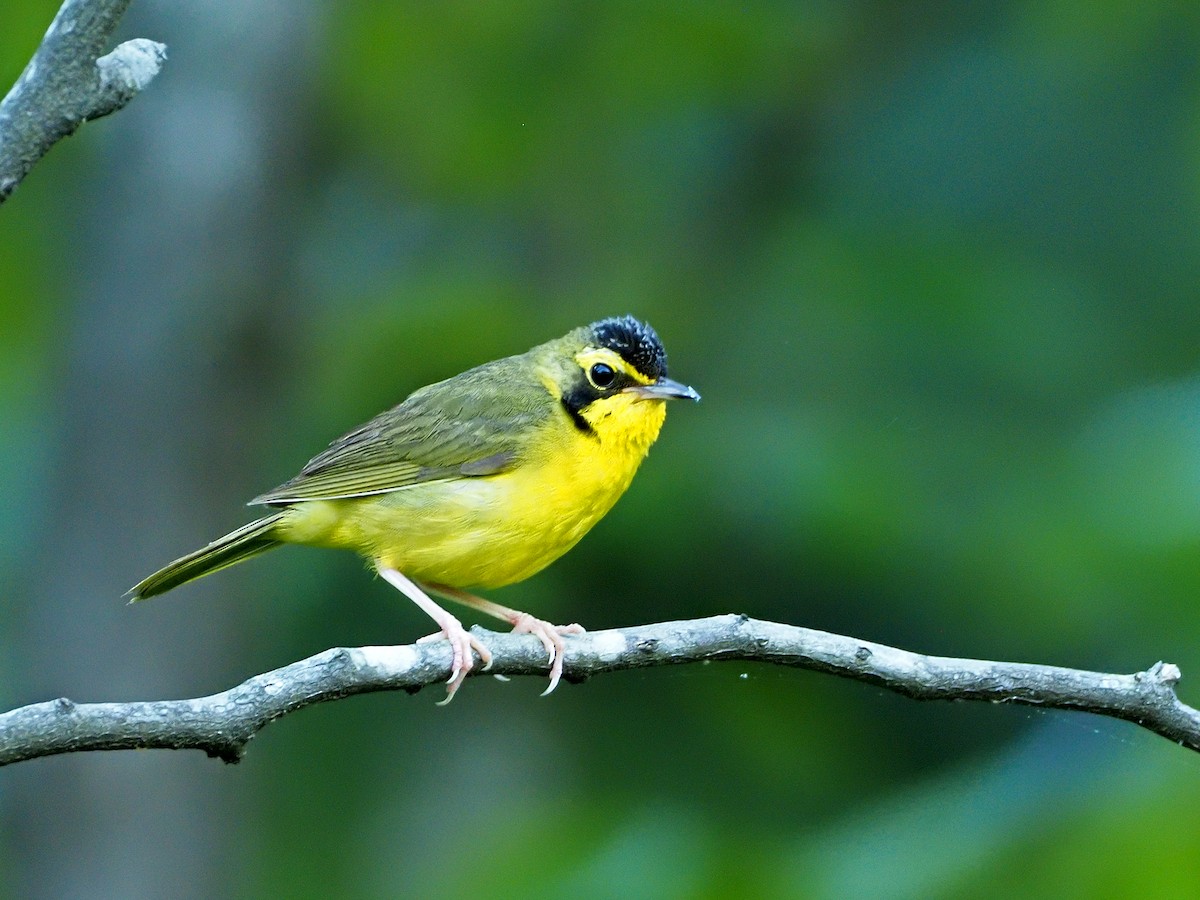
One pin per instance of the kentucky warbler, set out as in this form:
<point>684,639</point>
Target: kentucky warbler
<point>477,481</point>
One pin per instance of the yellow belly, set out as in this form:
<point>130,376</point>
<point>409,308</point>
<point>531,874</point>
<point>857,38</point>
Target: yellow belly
<point>481,532</point>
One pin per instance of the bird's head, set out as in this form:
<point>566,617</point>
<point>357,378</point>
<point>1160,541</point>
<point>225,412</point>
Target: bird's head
<point>611,378</point>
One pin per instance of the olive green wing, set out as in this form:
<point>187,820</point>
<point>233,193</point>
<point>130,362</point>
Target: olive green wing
<point>466,427</point>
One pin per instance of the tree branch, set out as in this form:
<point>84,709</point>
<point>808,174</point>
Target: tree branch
<point>68,82</point>
<point>222,724</point>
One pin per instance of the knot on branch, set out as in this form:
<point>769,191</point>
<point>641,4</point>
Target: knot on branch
<point>1165,673</point>
<point>130,67</point>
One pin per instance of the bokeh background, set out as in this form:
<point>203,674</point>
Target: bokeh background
<point>934,267</point>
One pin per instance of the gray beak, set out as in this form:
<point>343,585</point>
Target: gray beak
<point>663,389</point>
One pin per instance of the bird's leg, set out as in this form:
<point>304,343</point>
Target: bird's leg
<point>522,623</point>
<point>461,640</point>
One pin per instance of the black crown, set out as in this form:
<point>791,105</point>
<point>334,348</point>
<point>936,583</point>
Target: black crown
<point>635,342</point>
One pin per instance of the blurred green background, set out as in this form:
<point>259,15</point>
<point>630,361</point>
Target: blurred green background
<point>934,268</point>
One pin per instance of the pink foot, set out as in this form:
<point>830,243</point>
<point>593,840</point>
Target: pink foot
<point>551,638</point>
<point>464,645</point>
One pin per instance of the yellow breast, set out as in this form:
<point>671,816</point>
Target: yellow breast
<point>491,531</point>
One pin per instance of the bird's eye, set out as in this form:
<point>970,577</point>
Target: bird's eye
<point>602,376</point>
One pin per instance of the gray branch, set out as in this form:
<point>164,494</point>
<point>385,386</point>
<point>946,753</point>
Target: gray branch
<point>223,724</point>
<point>69,81</point>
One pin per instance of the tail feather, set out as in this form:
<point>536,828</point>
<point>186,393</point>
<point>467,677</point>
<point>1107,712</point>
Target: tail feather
<point>249,540</point>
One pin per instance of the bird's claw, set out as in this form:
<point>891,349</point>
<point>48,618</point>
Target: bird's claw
<point>551,638</point>
<point>463,646</point>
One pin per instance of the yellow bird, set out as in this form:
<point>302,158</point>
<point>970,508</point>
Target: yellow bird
<point>477,481</point>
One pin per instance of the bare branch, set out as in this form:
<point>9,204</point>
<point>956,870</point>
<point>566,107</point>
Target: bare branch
<point>222,724</point>
<point>68,81</point>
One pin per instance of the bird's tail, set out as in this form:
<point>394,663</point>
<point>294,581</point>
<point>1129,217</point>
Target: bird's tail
<point>247,541</point>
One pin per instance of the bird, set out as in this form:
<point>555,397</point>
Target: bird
<point>475,482</point>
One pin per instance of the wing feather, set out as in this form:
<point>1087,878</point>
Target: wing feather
<point>468,426</point>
